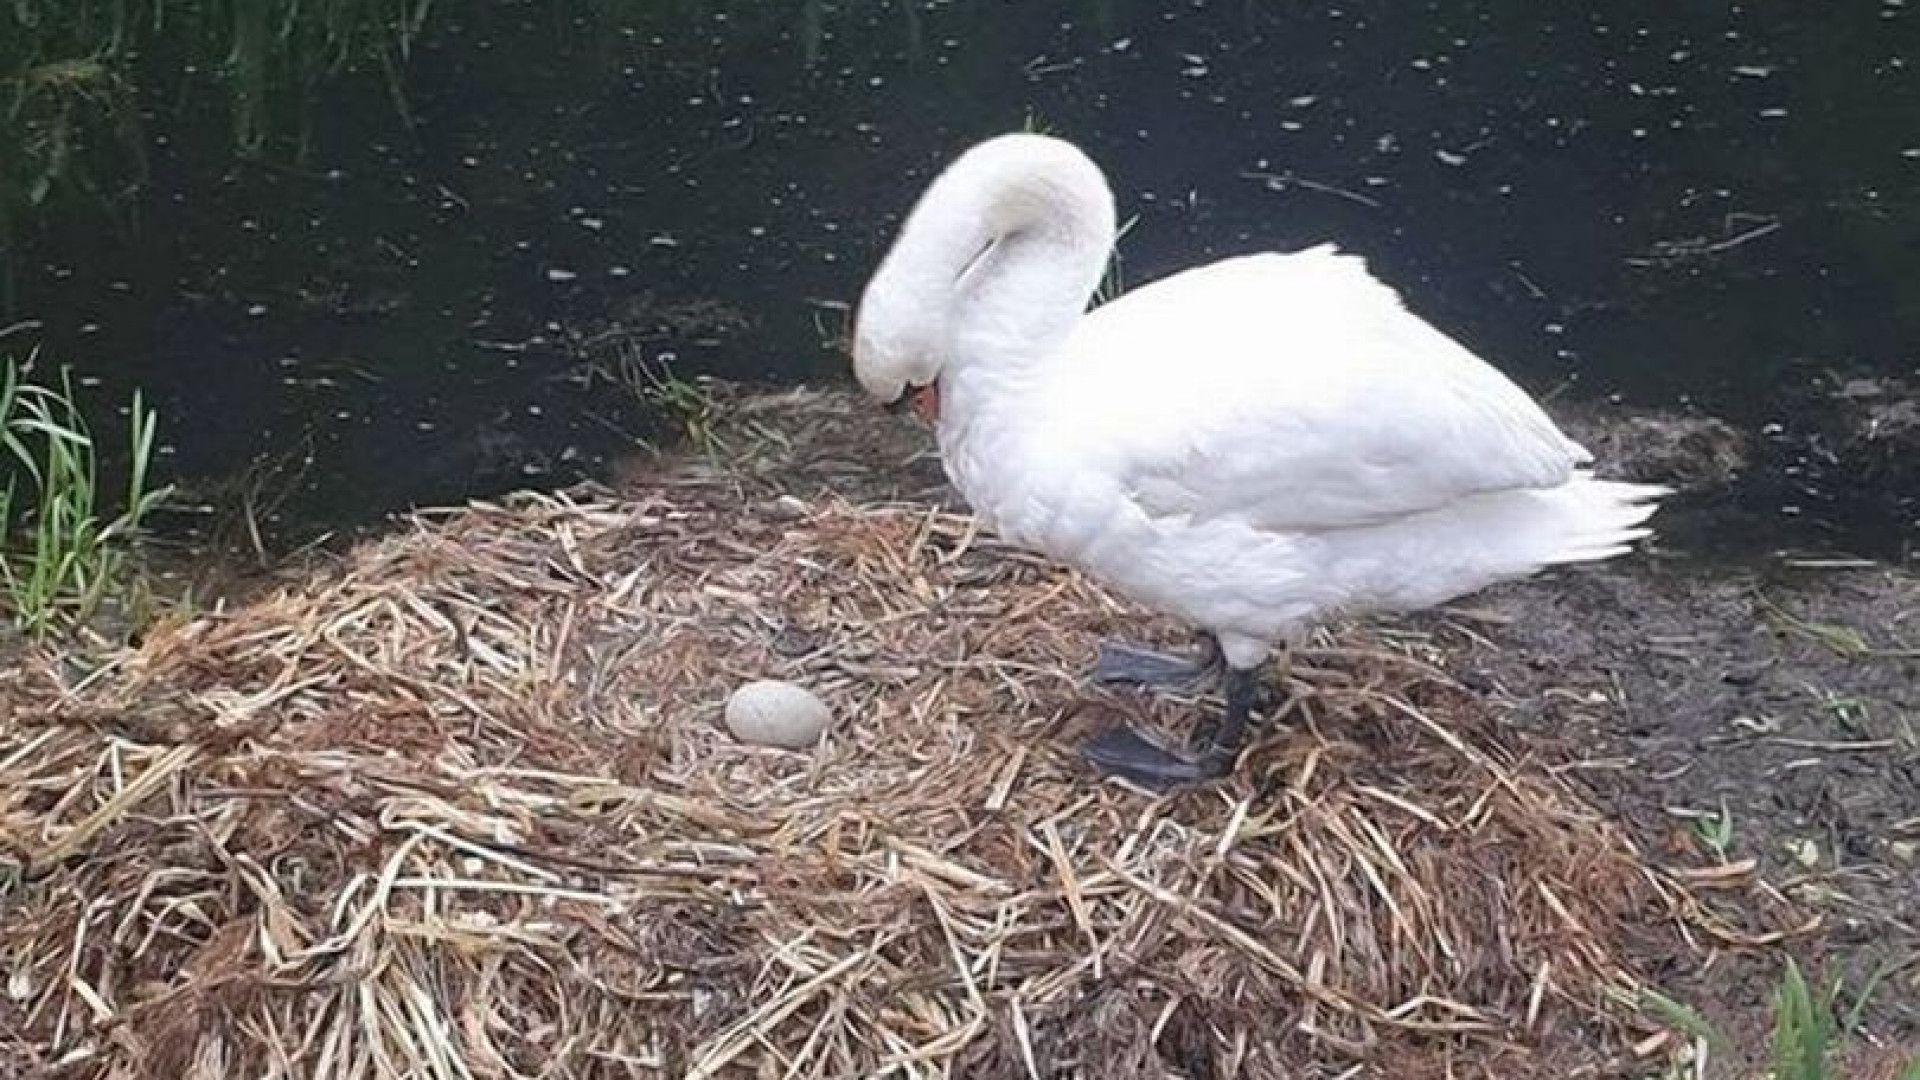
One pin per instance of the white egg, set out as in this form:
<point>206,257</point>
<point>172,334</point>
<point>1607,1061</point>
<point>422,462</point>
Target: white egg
<point>769,712</point>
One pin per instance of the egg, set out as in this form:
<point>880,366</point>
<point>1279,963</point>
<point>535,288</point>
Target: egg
<point>769,712</point>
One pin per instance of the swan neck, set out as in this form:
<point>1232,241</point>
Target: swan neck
<point>1050,231</point>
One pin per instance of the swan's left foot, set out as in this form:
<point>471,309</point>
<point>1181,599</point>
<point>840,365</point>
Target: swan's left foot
<point>1123,752</point>
<point>1123,663</point>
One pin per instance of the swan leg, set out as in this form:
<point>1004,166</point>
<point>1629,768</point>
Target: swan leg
<point>1123,663</point>
<point>1226,741</point>
<point>1124,752</point>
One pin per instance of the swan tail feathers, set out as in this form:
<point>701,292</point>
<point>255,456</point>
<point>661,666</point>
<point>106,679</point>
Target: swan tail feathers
<point>1602,518</point>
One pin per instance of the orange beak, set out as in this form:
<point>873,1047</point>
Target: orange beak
<point>925,402</point>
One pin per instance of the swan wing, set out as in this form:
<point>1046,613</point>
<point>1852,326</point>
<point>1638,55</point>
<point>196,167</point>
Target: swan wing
<point>1295,392</point>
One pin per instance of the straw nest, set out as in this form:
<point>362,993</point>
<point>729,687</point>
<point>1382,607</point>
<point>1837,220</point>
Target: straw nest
<point>460,805</point>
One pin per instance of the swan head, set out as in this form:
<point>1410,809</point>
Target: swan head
<point>1012,236</point>
<point>896,356</point>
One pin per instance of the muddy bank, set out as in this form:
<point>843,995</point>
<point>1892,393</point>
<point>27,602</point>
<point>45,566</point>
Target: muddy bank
<point>1785,698</point>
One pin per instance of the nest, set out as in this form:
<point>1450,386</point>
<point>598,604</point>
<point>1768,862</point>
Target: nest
<point>460,805</point>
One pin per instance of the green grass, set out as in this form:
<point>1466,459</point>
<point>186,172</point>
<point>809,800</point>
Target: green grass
<point>64,552</point>
<point>1715,830</point>
<point>1808,1027</point>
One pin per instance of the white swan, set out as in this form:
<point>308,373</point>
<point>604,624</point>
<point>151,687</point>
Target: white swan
<point>1251,445</point>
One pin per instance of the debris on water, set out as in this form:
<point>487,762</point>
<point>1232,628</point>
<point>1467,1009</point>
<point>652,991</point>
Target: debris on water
<point>771,712</point>
<point>558,275</point>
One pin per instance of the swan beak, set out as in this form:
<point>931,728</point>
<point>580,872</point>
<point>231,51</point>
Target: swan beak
<point>925,402</point>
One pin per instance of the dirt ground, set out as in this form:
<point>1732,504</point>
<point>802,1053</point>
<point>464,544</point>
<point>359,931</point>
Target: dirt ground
<point>1787,699</point>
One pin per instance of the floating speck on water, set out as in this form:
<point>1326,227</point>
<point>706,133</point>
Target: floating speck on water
<point>1303,101</point>
<point>1753,71</point>
<point>1291,125</point>
<point>470,161</point>
<point>1122,45</point>
<point>594,223</point>
<point>1448,157</point>
<point>618,271</point>
<point>556,274</point>
<point>664,240</point>
<point>425,425</point>
<point>256,310</point>
<point>1773,113</point>
<point>535,410</point>
<point>1911,153</point>
<point>90,328</point>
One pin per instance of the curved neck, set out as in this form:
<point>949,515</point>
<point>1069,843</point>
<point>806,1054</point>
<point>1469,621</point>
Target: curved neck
<point>1001,255</point>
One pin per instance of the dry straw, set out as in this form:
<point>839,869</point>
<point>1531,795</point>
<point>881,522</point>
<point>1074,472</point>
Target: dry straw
<point>459,806</point>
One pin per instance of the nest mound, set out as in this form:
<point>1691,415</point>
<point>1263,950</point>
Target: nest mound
<point>459,805</point>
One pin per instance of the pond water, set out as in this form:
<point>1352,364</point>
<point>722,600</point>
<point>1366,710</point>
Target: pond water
<point>1711,206</point>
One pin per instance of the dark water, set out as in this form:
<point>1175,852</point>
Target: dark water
<point>1706,206</point>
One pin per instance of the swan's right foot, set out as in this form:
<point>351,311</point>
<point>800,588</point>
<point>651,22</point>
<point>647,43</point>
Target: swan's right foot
<point>1123,663</point>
